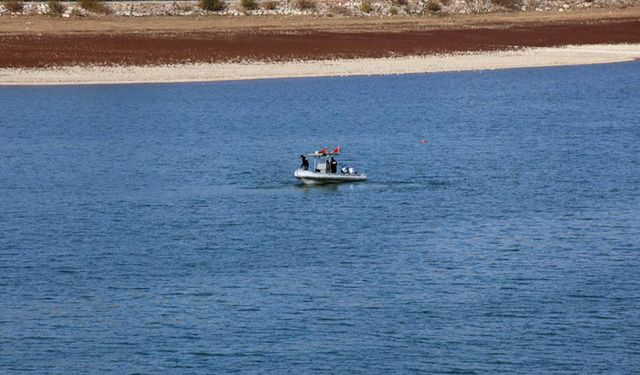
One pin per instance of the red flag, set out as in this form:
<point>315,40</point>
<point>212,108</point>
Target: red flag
<point>336,150</point>
<point>324,150</point>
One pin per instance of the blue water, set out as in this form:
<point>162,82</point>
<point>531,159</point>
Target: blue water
<point>159,229</point>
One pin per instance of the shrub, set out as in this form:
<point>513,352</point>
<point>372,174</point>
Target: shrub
<point>507,4</point>
<point>213,5</point>
<point>393,11</point>
<point>434,6</point>
<point>249,4</point>
<point>339,10</point>
<point>55,7</point>
<point>270,5</point>
<point>365,7</point>
<point>94,6</point>
<point>88,4</point>
<point>13,6</point>
<point>305,4</point>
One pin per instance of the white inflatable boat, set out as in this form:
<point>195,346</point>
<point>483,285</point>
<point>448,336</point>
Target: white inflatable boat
<point>325,169</point>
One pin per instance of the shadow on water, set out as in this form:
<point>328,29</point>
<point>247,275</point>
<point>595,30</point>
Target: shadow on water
<point>369,185</point>
<point>396,185</point>
<point>412,185</point>
<point>328,187</point>
<point>295,185</point>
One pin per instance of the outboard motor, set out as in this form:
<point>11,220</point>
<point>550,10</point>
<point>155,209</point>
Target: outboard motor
<point>353,171</point>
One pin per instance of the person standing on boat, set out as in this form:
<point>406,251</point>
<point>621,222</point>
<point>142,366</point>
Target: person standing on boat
<point>334,165</point>
<point>305,163</point>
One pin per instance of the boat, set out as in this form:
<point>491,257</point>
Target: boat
<point>325,169</point>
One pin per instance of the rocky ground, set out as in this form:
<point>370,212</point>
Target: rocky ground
<point>361,8</point>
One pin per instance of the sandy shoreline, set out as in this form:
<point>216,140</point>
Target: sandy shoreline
<point>529,57</point>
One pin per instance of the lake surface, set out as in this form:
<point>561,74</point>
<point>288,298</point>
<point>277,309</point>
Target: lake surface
<point>159,229</point>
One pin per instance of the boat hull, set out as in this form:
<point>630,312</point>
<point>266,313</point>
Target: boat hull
<point>315,178</point>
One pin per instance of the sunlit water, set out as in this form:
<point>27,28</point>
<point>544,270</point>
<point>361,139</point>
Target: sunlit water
<point>158,228</point>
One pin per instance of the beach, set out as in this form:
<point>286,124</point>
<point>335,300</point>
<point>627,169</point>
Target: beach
<point>204,72</point>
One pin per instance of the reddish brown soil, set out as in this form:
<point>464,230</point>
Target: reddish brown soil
<point>133,48</point>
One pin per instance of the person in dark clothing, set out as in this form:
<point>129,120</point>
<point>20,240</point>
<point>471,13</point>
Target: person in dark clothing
<point>305,163</point>
<point>334,166</point>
